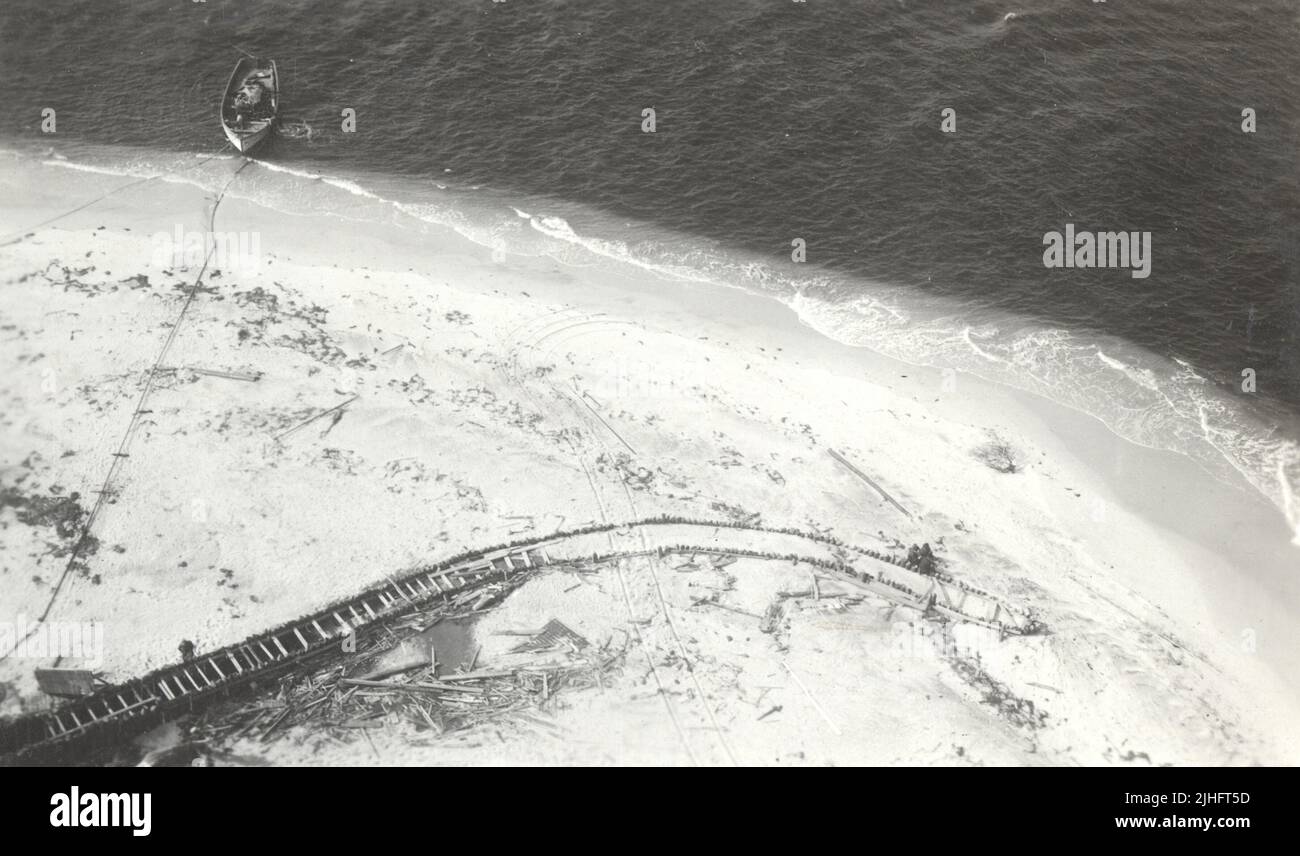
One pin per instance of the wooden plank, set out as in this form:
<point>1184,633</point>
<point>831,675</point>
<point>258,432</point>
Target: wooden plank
<point>866,478</point>
<point>476,676</point>
<point>66,682</point>
<point>244,376</point>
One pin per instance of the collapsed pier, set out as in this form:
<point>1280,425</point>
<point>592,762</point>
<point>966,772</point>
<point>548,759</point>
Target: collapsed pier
<point>183,687</point>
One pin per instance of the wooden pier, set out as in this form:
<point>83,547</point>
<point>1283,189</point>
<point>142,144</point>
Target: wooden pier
<point>114,710</point>
<point>181,685</point>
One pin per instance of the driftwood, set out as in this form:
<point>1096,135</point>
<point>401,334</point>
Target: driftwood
<point>866,478</point>
<point>309,420</point>
<point>421,699</point>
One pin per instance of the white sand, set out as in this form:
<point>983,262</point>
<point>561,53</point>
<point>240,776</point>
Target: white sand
<point>528,396</point>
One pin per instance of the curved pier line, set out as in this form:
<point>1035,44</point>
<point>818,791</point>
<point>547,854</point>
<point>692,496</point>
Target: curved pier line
<point>197,681</point>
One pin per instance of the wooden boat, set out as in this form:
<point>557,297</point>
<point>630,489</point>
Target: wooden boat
<point>251,103</point>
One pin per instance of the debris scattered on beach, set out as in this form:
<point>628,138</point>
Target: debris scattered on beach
<point>394,683</point>
<point>554,635</point>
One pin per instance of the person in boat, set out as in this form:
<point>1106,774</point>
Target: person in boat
<point>261,76</point>
<point>252,101</point>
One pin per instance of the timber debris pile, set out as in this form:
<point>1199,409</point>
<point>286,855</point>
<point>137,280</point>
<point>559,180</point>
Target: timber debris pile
<point>416,698</point>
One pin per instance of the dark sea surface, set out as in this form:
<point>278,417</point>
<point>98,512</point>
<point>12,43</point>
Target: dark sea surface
<point>520,124</point>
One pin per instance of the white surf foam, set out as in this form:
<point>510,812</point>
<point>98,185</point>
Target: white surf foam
<point>1153,402</point>
<point>1149,401</point>
<point>62,163</point>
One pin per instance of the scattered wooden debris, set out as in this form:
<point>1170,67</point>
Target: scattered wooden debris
<point>338,408</point>
<point>331,701</point>
<point>403,658</point>
<point>704,601</point>
<point>248,377</point>
<point>69,683</point>
<point>554,634</point>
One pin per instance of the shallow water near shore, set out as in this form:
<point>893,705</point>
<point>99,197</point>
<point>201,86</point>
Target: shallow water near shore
<point>777,120</point>
<point>452,643</point>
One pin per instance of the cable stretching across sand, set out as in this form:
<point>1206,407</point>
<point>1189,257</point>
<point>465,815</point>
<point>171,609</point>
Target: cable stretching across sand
<point>124,446</point>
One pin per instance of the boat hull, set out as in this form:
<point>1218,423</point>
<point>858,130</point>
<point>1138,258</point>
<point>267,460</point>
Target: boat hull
<point>246,142</point>
<point>246,136</point>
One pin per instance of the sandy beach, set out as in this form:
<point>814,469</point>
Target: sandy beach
<point>351,397</point>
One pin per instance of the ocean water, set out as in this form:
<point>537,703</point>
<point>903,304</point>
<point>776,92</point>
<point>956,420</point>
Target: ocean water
<point>519,123</point>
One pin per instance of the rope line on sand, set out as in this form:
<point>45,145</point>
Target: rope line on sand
<point>122,452</point>
<point>24,233</point>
